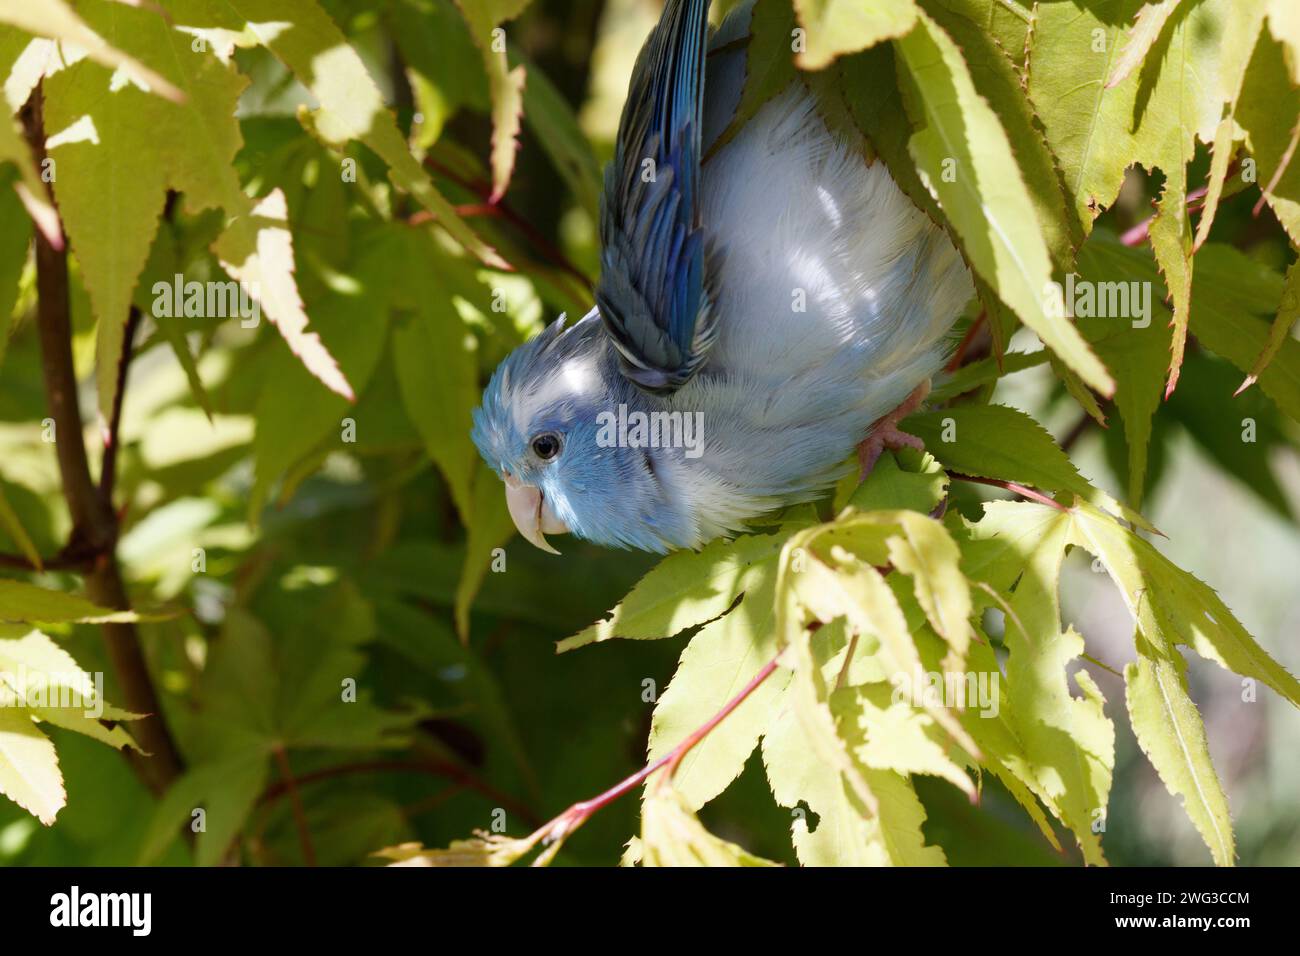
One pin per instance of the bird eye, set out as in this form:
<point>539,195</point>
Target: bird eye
<point>546,446</point>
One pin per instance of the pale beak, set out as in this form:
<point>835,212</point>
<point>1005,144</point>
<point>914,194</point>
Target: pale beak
<point>532,513</point>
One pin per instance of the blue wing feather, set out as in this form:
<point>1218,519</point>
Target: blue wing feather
<point>652,295</point>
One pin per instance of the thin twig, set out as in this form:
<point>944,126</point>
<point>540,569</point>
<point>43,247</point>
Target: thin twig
<point>1012,486</point>
<point>295,801</point>
<point>1282,165</point>
<point>433,802</point>
<point>575,816</point>
<point>1139,234</point>
<point>503,209</point>
<point>451,771</point>
<point>1077,431</point>
<point>94,524</point>
<point>60,562</point>
<point>108,470</point>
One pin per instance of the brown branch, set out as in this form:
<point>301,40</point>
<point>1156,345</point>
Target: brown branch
<point>451,771</point>
<point>1012,486</point>
<point>63,561</point>
<point>1077,431</point>
<point>561,826</point>
<point>433,801</point>
<point>967,341</point>
<point>1141,232</point>
<point>500,208</point>
<point>1282,165</point>
<point>295,801</point>
<point>94,524</point>
<point>108,470</point>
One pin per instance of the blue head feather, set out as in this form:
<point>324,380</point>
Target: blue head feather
<point>560,381</point>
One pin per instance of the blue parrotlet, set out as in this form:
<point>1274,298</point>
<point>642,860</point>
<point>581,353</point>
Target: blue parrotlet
<point>762,309</point>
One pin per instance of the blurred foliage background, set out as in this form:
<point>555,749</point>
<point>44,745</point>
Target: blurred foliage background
<point>328,559</point>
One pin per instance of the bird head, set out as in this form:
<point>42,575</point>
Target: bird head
<point>538,427</point>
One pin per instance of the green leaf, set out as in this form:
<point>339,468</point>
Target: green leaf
<point>718,662</point>
<point>926,553</point>
<point>490,527</point>
<point>12,525</point>
<point>686,589</point>
<point>839,579</point>
<point>812,590</point>
<point>442,62</point>
<point>552,121</point>
<point>40,682</point>
<point>22,602</point>
<point>485,849</point>
<point>671,835</point>
<point>966,161</point>
<point>1071,54</point>
<point>1266,111</point>
<point>990,35</point>
<point>986,372</point>
<point>1136,354</point>
<point>113,180</point>
<point>437,368</point>
<point>15,244</point>
<point>992,727</point>
<point>769,63</point>
<point>1284,25</point>
<point>890,487</point>
<point>304,38</point>
<point>1169,729</point>
<point>1279,332</point>
<point>1068,741</point>
<point>1224,438</point>
<point>921,548</point>
<point>835,27</point>
<point>1150,21</point>
<point>1222,322</point>
<point>30,191</point>
<point>293,416</point>
<point>1101,118</point>
<point>886,732</point>
<point>220,795</point>
<point>57,20</point>
<point>997,441</point>
<point>870,82</point>
<point>29,767</point>
<point>846,834</point>
<point>1170,606</point>
<point>505,86</point>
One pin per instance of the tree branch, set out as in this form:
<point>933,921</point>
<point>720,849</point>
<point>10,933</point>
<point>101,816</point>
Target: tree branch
<point>1013,487</point>
<point>108,469</point>
<point>94,524</point>
<point>502,209</point>
<point>563,825</point>
<point>295,801</point>
<point>462,777</point>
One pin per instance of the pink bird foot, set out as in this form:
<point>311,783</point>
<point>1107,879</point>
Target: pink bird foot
<point>885,433</point>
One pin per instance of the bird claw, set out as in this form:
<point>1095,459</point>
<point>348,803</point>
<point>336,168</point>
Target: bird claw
<point>885,433</point>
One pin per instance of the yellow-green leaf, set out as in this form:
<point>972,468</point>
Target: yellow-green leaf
<point>966,161</point>
<point>835,27</point>
<point>57,20</point>
<point>1169,729</point>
